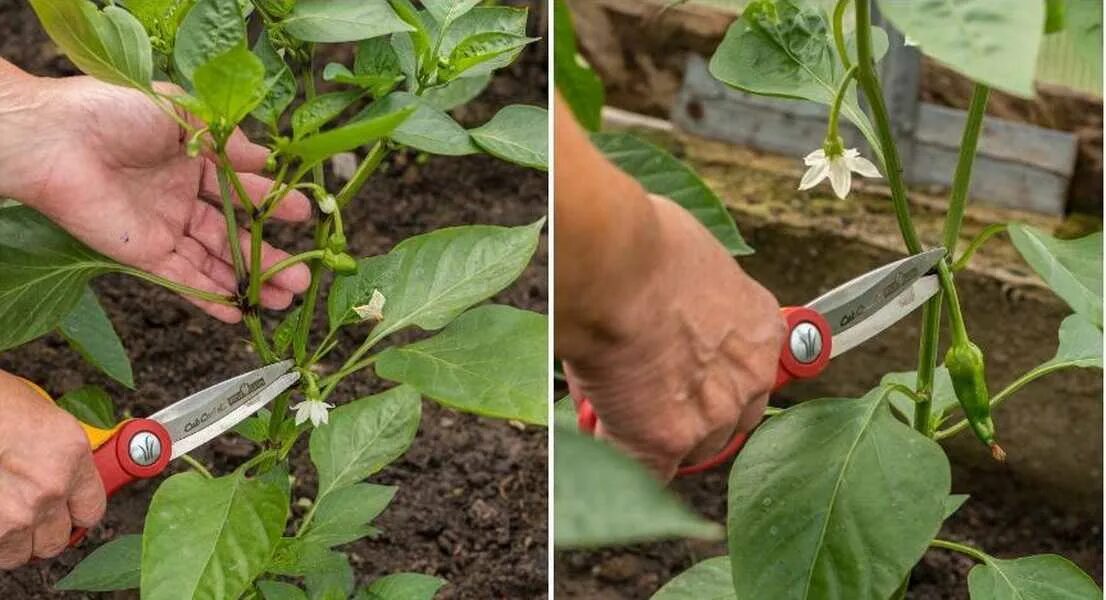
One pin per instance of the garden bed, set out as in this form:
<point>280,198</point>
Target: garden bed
<point>471,505</point>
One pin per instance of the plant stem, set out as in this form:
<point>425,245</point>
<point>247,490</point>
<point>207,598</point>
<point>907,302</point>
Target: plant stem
<point>839,32</point>
<point>961,548</point>
<point>347,371</point>
<point>987,233</point>
<point>257,332</point>
<point>197,465</point>
<point>364,170</point>
<point>927,363</point>
<point>177,287</point>
<point>912,395</point>
<point>835,110</point>
<point>1001,397</point>
<point>232,224</point>
<point>257,232</point>
<point>961,181</point>
<point>291,260</point>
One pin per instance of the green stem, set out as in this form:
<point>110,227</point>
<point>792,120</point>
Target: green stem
<point>177,287</point>
<point>1001,397</point>
<point>197,465</point>
<point>355,358</point>
<point>347,371</point>
<point>279,406</point>
<point>839,32</point>
<point>905,391</point>
<point>260,342</point>
<point>288,262</point>
<point>257,234</point>
<point>961,548</point>
<point>232,224</point>
<point>364,170</point>
<point>927,363</point>
<point>307,311</point>
<point>302,529</point>
<point>961,181</point>
<point>835,110</point>
<point>987,233</point>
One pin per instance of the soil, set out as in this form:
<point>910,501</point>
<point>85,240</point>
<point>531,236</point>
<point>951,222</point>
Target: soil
<point>472,500</point>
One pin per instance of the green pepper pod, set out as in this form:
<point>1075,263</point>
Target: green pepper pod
<point>339,262</point>
<point>964,361</point>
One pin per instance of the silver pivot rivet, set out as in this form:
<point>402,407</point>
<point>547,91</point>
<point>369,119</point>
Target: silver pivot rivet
<point>145,448</point>
<point>806,342</point>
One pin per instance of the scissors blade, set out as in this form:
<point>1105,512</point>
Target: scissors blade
<point>901,305</point>
<point>206,414</point>
<point>851,304</point>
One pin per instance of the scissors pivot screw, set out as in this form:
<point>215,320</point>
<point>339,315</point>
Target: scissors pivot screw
<point>145,448</point>
<point>806,342</point>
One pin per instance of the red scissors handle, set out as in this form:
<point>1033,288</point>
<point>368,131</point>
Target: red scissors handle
<point>806,353</point>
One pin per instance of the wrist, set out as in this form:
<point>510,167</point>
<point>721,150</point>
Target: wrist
<point>22,104</point>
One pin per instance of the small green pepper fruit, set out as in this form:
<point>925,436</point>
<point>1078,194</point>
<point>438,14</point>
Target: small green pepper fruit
<point>964,361</point>
<point>339,262</point>
<point>336,242</point>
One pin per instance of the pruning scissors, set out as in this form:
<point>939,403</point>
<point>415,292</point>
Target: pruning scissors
<point>142,448</point>
<point>829,325</point>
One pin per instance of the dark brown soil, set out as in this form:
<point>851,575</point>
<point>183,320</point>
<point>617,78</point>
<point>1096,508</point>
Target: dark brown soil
<point>472,501</point>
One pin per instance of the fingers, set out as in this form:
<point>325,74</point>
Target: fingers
<point>87,500</point>
<point>51,536</point>
<point>16,528</point>
<point>294,207</point>
<point>245,155</point>
<point>177,268</point>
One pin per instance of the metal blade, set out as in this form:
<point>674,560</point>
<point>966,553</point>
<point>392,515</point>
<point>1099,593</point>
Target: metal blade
<point>206,414</point>
<point>850,304</point>
<point>874,323</point>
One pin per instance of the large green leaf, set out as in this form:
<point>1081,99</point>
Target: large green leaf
<point>43,274</point>
<point>1080,345</point>
<point>602,497</point>
<point>457,92</point>
<point>113,566</point>
<point>89,331</point>
<point>1041,577</point>
<point>110,45</point>
<point>706,580</point>
<point>279,81</point>
<point>402,586</point>
<point>834,498</point>
<point>278,590</point>
<point>1072,268</point>
<point>211,28</point>
<point>297,556</point>
<point>364,436</point>
<point>342,20</point>
<point>789,52</point>
<point>320,110</point>
<point>227,527</point>
<point>492,361</point>
<point>992,42</point>
<point>428,129</point>
<point>230,85</point>
<point>90,404</point>
<point>343,515</point>
<point>481,20</point>
<point>333,581</point>
<point>448,11</point>
<point>482,48</point>
<point>662,174</point>
<point>580,87</point>
<point>943,396</point>
<point>427,280</point>
<point>315,148</point>
<point>518,134</point>
<point>375,68</point>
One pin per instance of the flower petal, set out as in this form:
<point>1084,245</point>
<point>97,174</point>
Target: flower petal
<point>814,175</point>
<point>864,167</point>
<point>840,177</point>
<point>817,156</point>
<point>303,411</point>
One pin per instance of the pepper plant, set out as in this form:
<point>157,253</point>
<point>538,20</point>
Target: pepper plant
<point>841,497</point>
<point>233,536</point>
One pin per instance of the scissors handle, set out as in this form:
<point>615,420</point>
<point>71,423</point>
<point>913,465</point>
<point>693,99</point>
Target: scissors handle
<point>806,353</point>
<point>134,449</point>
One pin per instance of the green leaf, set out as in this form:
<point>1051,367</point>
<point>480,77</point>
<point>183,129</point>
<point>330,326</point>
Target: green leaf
<point>90,404</point>
<point>278,590</point>
<point>256,427</point>
<point>211,28</point>
<point>113,566</point>
<point>320,110</point>
<point>402,586</point>
<point>833,498</point>
<point>447,11</point>
<point>428,129</point>
<point>456,93</point>
<point>334,580</point>
<point>518,134</point>
<point>427,280</point>
<point>662,174</point>
<point>296,557</point>
<point>342,20</point>
<point>707,579</point>
<point>491,361</point>
<point>279,81</point>
<point>230,86</point>
<point>493,19</point>
<point>375,68</point>
<point>789,52</point>
<point>1040,577</point>
<point>1080,345</point>
<point>995,43</point>
<point>282,335</point>
<point>160,18</point>
<point>602,497</point>
<point>478,49</point>
<point>363,437</point>
<point>953,503</point>
<point>89,331</point>
<point>1072,268</point>
<point>110,45</point>
<point>564,413</point>
<point>578,84</point>
<point>343,515</point>
<point>43,275</point>
<point>943,395</point>
<point>315,148</point>
<point>230,527</point>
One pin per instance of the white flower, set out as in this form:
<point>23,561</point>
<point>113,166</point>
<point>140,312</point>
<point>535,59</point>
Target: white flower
<point>838,168</point>
<point>316,410</point>
<point>374,310</point>
<point>327,204</point>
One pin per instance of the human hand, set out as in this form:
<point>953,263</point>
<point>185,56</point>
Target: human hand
<point>109,167</point>
<point>690,355</point>
<point>49,481</point>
